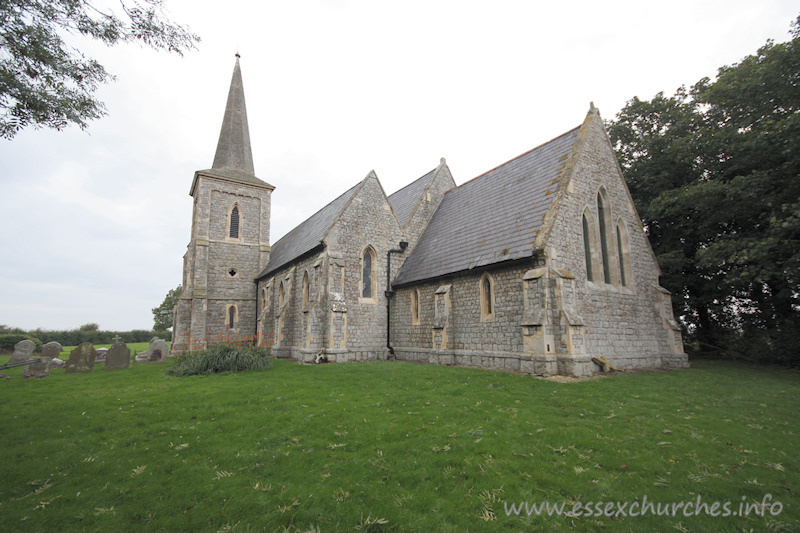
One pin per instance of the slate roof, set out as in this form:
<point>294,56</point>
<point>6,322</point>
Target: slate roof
<point>404,200</point>
<point>308,235</point>
<point>492,218</point>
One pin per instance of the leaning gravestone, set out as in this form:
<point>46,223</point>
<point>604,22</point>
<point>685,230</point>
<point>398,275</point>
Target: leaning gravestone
<point>23,351</point>
<point>157,352</point>
<point>42,368</point>
<point>118,357</point>
<point>81,359</point>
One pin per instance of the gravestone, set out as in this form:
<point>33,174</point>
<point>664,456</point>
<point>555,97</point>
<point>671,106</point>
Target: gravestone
<point>81,359</point>
<point>101,355</point>
<point>118,357</point>
<point>57,363</point>
<point>41,369</point>
<point>23,351</point>
<point>158,350</point>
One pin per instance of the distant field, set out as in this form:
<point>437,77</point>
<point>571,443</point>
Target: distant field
<point>395,447</point>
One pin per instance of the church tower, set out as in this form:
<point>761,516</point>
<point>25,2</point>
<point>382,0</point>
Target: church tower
<point>229,243</point>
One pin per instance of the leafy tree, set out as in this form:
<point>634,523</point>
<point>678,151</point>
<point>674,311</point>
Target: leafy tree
<point>163,314</point>
<point>90,326</point>
<point>44,82</point>
<point>715,174</point>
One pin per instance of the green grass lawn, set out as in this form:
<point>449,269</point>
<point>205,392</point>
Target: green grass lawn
<point>394,447</point>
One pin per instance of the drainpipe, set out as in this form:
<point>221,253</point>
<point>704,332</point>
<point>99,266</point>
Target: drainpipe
<point>256,330</point>
<point>389,292</point>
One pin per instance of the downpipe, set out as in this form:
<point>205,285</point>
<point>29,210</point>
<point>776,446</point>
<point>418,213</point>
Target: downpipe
<point>389,293</point>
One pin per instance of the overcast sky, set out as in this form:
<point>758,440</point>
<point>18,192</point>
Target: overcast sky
<point>95,223</point>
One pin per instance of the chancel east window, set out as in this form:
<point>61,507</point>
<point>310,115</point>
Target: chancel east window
<point>587,249</point>
<point>601,216</point>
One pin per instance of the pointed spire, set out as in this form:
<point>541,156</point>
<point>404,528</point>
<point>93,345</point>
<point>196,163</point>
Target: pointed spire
<point>233,148</point>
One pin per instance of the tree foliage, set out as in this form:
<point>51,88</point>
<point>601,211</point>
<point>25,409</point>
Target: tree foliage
<point>163,314</point>
<point>45,82</point>
<point>715,174</point>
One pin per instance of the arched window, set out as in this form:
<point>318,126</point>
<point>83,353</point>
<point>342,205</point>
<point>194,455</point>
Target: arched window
<point>233,222</point>
<point>601,217</point>
<point>305,288</point>
<point>624,250</point>
<point>281,294</point>
<point>368,277</point>
<point>415,306</point>
<point>263,298</point>
<point>587,248</point>
<point>232,316</point>
<point>486,288</point>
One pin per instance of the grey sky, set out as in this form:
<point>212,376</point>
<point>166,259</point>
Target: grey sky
<point>95,224</point>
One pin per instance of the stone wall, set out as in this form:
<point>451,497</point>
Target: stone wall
<point>451,328</point>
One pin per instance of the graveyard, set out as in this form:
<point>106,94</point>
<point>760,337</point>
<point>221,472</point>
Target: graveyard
<point>394,446</point>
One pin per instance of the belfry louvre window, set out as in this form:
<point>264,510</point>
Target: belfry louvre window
<point>234,230</point>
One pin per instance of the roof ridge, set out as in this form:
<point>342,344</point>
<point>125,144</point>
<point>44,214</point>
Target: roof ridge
<point>318,211</point>
<point>404,187</point>
<point>517,157</point>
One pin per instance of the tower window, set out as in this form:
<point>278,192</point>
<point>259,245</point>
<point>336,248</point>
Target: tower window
<point>232,316</point>
<point>234,223</point>
<point>232,272</point>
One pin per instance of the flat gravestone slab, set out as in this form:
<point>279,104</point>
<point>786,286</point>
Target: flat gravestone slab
<point>23,351</point>
<point>118,357</point>
<point>158,350</point>
<point>42,368</point>
<point>81,359</point>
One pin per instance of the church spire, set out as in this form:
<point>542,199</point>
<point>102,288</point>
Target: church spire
<point>233,148</point>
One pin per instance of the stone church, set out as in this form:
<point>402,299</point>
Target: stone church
<point>535,266</point>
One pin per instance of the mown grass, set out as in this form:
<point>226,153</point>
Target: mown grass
<point>392,447</point>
